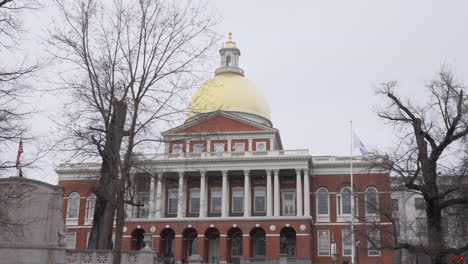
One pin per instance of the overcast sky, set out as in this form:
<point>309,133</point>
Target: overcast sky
<point>318,62</point>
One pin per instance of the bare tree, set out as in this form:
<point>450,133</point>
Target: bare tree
<point>132,64</point>
<point>13,77</point>
<point>432,147</point>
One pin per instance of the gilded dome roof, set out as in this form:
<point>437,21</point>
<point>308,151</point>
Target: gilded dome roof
<point>229,92</point>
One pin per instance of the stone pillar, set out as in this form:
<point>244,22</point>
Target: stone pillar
<point>208,146</point>
<point>187,146</point>
<point>229,146</point>
<point>152,210</point>
<point>181,196</point>
<point>247,201</point>
<point>298,192</point>
<point>277,193</point>
<point>306,193</point>
<point>269,196</point>
<point>250,147</point>
<point>225,195</point>
<point>202,193</point>
<point>159,197</point>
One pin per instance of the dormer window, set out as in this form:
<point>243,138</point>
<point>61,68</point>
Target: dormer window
<point>239,147</point>
<point>177,148</point>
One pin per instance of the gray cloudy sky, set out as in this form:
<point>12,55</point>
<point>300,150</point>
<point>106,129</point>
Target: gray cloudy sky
<point>317,62</point>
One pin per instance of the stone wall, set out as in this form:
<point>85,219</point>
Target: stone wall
<point>31,225</point>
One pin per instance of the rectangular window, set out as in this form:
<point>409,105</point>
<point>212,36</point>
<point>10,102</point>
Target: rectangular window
<point>419,203</point>
<point>197,148</point>
<point>324,243</point>
<point>395,205</point>
<point>216,201</point>
<point>172,202</point>
<point>70,240</point>
<point>396,222</point>
<point>142,211</point>
<point>420,226</point>
<point>219,147</point>
<point>237,201</point>
<point>373,242</point>
<point>347,242</point>
<point>194,201</point>
<point>239,147</point>
<point>289,203</point>
<point>259,200</point>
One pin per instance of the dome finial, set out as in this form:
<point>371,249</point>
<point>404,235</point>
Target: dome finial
<point>230,43</point>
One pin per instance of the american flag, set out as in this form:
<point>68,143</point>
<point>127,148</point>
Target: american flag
<point>20,151</point>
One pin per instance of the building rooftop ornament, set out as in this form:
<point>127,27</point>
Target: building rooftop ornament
<point>230,43</point>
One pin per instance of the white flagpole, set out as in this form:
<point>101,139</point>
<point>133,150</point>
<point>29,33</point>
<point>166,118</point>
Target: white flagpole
<point>353,253</point>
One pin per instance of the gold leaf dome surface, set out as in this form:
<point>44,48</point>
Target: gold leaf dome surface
<point>229,92</point>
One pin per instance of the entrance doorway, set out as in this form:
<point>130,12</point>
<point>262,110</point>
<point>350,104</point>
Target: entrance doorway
<point>212,235</point>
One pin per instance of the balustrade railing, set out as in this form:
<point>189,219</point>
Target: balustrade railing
<point>85,256</point>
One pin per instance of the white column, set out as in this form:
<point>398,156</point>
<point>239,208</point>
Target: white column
<point>181,196</point>
<point>159,196</point>
<point>250,144</point>
<point>269,196</point>
<point>298,192</point>
<point>306,193</point>
<point>229,145</point>
<point>246,193</point>
<point>202,193</point>
<point>208,146</point>
<point>152,196</point>
<point>277,193</point>
<point>187,146</point>
<point>225,195</point>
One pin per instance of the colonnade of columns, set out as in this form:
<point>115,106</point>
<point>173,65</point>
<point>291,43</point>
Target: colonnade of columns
<point>273,194</point>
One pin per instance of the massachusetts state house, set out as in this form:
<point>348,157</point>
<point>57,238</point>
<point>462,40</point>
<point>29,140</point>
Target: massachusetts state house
<point>225,189</point>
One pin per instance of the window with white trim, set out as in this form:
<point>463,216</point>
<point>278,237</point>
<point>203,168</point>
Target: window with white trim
<point>198,148</point>
<point>260,146</point>
<point>289,203</point>
<point>219,147</point>
<point>90,206</point>
<point>172,200</point>
<point>373,242</point>
<point>347,242</point>
<point>372,201</point>
<point>73,208</point>
<point>259,200</point>
<point>239,147</point>
<point>345,201</point>
<point>216,196</point>
<point>237,201</point>
<point>194,201</point>
<point>177,148</point>
<point>322,202</point>
<point>70,240</point>
<point>324,242</point>
<point>141,211</point>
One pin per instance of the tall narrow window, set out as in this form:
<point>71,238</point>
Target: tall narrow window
<point>421,228</point>
<point>395,205</point>
<point>347,244</point>
<point>172,202</point>
<point>324,242</point>
<point>192,245</point>
<point>194,201</point>
<point>90,205</point>
<point>372,201</point>
<point>236,244</point>
<point>70,240</point>
<point>73,206</point>
<point>237,201</point>
<point>373,242</point>
<point>216,201</point>
<point>322,201</point>
<point>289,203</point>
<point>346,201</point>
<point>259,200</point>
<point>259,243</point>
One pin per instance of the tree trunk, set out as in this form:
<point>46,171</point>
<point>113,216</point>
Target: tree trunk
<point>107,189</point>
<point>120,223</point>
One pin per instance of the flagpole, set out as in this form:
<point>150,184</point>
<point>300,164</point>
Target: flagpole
<point>353,253</point>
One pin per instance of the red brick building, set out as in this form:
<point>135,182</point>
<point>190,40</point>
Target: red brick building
<point>226,189</point>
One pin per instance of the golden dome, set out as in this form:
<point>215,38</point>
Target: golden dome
<point>229,92</point>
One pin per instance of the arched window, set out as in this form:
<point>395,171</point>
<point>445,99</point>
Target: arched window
<point>372,201</point>
<point>259,243</point>
<point>236,244</point>
<point>228,60</point>
<point>346,201</point>
<point>73,205</point>
<point>322,201</point>
<point>90,205</point>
